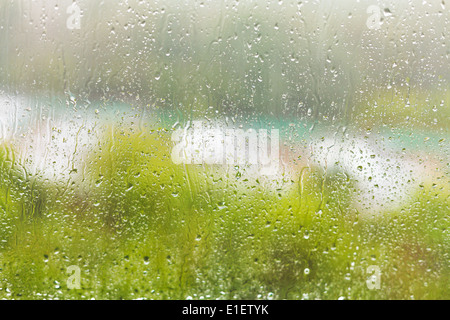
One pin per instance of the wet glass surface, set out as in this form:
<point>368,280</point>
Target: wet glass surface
<point>224,149</point>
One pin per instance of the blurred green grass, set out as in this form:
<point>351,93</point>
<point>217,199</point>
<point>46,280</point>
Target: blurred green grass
<point>146,228</point>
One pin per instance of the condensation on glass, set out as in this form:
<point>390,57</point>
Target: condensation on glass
<point>224,149</point>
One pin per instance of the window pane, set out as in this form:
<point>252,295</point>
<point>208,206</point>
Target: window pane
<point>224,149</point>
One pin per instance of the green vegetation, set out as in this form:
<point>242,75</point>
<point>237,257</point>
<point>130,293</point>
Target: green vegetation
<point>141,227</point>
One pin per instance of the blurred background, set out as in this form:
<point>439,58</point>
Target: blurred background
<point>91,91</point>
